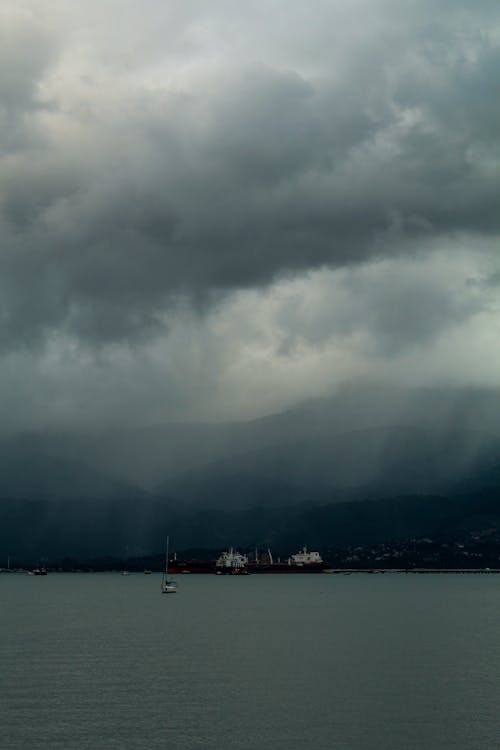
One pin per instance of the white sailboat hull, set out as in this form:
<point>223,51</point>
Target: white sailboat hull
<point>169,588</point>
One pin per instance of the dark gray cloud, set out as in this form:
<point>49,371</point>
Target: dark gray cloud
<point>254,171</point>
<point>169,160</point>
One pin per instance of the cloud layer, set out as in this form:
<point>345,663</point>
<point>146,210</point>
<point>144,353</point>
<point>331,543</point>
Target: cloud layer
<point>184,184</point>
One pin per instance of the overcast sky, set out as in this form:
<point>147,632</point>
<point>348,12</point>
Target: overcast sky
<point>213,210</point>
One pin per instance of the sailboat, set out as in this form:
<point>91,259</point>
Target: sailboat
<point>167,587</point>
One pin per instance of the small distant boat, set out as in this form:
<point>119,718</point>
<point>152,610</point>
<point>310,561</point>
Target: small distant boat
<point>125,573</point>
<point>147,572</point>
<point>39,572</point>
<point>167,587</point>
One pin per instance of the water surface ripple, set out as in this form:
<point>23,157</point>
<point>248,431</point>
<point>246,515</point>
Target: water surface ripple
<point>360,662</point>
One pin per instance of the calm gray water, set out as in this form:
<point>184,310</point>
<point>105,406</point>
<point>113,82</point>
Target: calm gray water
<point>360,662</point>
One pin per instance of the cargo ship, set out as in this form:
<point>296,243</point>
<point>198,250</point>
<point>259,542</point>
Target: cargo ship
<point>231,562</point>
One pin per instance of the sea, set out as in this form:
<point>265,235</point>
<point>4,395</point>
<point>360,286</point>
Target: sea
<point>323,662</point>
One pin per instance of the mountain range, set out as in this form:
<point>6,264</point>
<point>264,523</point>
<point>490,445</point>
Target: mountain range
<point>122,492</point>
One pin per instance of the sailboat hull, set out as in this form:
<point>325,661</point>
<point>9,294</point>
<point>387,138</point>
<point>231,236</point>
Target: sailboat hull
<point>169,588</point>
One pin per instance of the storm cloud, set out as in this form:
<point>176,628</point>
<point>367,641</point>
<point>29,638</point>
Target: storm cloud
<point>197,200</point>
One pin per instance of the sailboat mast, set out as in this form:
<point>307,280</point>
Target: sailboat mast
<point>167,587</point>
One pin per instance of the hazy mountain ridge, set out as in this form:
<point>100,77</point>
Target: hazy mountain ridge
<point>362,463</point>
<point>374,462</point>
<point>52,530</point>
<point>150,457</point>
<point>45,477</point>
<point>282,480</point>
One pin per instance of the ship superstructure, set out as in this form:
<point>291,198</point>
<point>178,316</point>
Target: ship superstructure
<point>232,562</point>
<point>305,558</point>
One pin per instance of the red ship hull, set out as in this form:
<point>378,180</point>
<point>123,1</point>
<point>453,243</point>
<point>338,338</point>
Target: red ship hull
<point>178,567</point>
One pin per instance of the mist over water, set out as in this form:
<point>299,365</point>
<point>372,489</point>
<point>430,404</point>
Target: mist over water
<point>351,662</point>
